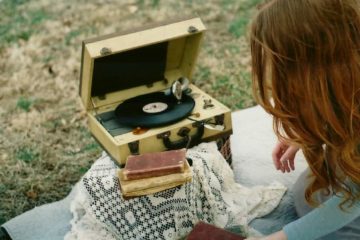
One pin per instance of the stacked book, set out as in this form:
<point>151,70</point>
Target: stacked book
<point>154,172</point>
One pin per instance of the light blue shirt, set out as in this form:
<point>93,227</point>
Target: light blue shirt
<point>325,219</point>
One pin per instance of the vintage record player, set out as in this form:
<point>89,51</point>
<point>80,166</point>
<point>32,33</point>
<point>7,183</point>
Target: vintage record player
<point>136,88</point>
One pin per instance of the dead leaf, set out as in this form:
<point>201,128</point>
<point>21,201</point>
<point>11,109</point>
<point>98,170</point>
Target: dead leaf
<point>31,194</point>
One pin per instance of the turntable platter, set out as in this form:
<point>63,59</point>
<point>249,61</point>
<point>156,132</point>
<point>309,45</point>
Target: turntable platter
<point>153,110</point>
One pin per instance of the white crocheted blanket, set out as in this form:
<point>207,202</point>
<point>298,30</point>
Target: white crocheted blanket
<point>100,211</point>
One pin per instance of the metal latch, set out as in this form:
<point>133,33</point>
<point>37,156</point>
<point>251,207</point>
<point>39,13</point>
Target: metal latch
<point>134,147</point>
<point>219,119</point>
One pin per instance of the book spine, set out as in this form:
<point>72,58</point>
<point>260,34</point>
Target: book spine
<point>133,175</point>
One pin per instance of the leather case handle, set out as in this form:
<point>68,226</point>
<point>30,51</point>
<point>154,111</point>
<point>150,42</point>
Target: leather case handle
<point>187,141</point>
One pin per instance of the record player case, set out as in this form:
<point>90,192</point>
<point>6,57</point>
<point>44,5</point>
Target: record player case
<point>121,66</point>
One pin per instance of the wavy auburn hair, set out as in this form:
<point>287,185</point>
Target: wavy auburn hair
<point>306,73</point>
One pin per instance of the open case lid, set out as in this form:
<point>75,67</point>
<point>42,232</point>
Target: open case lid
<point>120,66</point>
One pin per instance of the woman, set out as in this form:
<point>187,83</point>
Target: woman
<point>306,73</point>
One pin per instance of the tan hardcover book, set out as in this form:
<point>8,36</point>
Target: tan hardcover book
<point>139,187</point>
<point>154,164</point>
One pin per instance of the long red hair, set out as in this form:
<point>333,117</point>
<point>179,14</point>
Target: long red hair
<point>306,73</point>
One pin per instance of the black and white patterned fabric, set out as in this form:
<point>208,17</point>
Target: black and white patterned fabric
<point>100,211</point>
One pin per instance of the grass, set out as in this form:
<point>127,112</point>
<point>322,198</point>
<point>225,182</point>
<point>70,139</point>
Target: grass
<point>238,27</point>
<point>24,104</point>
<point>45,145</point>
<point>26,154</point>
<point>19,26</point>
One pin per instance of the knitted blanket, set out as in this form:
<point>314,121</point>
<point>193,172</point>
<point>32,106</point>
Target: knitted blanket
<point>213,196</point>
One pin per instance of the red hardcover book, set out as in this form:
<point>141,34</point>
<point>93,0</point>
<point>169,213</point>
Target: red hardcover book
<point>210,232</point>
<point>154,164</point>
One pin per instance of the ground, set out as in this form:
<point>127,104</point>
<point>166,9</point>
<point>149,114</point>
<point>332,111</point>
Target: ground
<point>45,145</point>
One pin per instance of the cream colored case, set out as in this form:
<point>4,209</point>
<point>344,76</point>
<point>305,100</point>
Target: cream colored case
<point>113,70</point>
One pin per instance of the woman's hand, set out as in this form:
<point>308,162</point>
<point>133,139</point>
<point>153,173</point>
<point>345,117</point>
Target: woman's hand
<point>280,235</point>
<point>283,156</point>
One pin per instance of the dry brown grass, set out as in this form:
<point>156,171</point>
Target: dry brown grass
<point>45,146</point>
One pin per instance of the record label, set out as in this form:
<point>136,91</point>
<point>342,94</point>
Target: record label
<point>155,107</point>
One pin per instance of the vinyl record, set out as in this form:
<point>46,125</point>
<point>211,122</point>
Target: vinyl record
<point>153,110</point>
